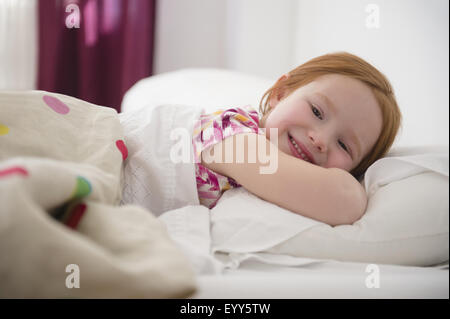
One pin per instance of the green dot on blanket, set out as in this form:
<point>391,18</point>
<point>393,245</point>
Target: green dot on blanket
<point>82,188</point>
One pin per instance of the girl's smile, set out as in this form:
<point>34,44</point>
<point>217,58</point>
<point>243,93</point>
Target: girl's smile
<point>299,150</point>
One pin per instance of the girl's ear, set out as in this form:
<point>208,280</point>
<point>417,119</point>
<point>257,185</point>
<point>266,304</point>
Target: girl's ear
<point>279,91</point>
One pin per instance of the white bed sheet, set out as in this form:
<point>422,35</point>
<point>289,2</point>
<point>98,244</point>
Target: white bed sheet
<point>264,275</point>
<point>324,280</point>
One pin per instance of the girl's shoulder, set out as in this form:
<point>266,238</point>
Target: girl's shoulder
<point>230,120</point>
<point>212,128</point>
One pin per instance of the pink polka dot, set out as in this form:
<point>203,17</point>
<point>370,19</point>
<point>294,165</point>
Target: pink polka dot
<point>13,170</point>
<point>122,148</point>
<point>56,105</point>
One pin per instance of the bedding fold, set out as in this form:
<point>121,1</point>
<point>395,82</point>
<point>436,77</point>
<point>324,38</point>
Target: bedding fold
<point>62,233</point>
<point>403,162</point>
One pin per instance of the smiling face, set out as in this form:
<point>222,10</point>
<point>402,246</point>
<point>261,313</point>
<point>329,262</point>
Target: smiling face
<point>333,121</point>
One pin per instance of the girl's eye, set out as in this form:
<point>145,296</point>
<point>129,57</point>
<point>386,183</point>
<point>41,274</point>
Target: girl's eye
<point>343,146</point>
<point>316,112</point>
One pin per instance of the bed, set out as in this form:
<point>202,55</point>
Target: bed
<point>97,204</point>
<point>399,249</point>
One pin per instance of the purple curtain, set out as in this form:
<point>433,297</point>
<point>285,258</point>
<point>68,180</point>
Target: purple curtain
<point>97,62</point>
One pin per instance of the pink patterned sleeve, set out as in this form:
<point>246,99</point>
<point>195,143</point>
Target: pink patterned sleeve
<point>211,129</point>
<point>214,127</point>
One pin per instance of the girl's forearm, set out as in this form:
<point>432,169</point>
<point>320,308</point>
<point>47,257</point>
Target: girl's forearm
<point>331,196</point>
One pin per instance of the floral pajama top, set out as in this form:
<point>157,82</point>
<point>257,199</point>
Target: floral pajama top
<point>210,129</point>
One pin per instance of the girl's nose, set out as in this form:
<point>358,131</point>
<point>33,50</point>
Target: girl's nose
<point>318,143</point>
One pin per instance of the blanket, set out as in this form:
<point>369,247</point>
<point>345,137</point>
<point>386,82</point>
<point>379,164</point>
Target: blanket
<point>62,232</point>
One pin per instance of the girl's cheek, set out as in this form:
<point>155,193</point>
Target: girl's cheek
<point>298,110</point>
<point>339,161</point>
<point>286,119</point>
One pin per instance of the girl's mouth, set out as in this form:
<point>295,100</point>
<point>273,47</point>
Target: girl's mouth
<point>297,151</point>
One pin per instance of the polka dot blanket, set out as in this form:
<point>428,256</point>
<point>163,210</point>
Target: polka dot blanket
<point>61,171</point>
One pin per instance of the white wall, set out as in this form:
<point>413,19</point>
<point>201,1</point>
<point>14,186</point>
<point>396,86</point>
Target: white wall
<point>189,34</point>
<point>269,37</point>
<point>259,36</point>
<point>410,47</point>
<point>251,36</point>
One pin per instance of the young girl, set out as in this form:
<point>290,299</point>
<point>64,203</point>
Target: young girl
<point>335,115</point>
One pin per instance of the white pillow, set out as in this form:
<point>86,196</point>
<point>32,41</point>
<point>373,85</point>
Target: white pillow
<point>208,88</point>
<point>406,221</point>
<point>407,218</point>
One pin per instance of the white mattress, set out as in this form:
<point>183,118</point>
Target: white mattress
<point>324,280</point>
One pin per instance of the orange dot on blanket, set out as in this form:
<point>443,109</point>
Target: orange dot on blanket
<point>13,170</point>
<point>55,104</point>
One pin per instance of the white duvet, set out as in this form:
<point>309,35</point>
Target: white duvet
<point>242,226</point>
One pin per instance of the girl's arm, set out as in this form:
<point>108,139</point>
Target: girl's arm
<point>329,195</point>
